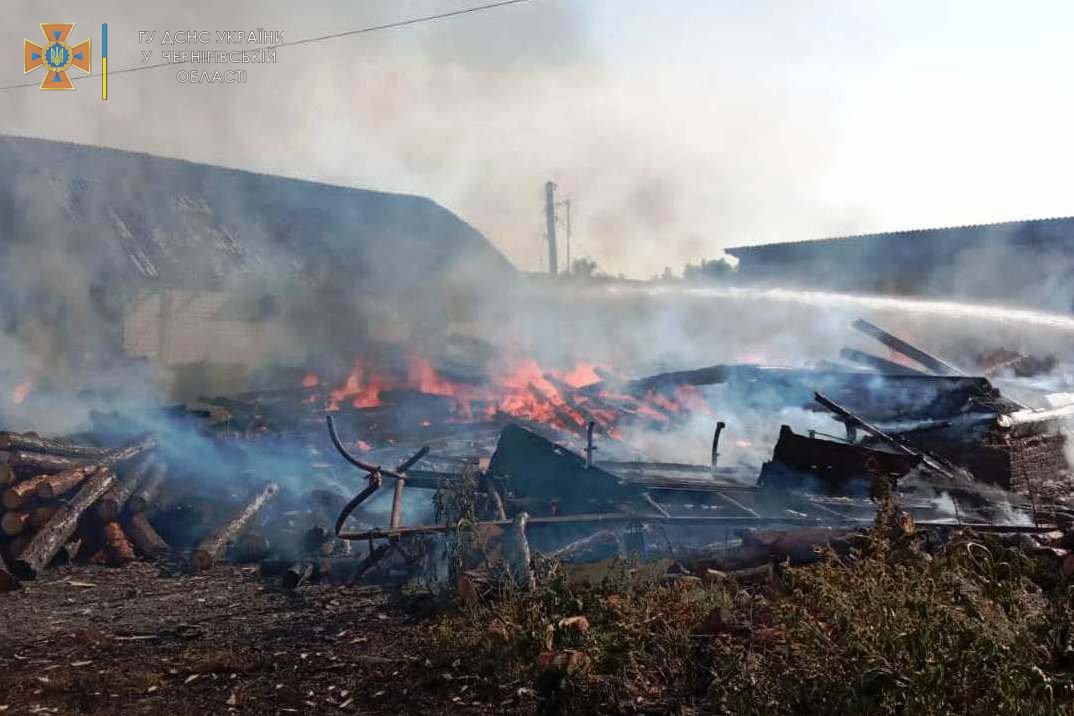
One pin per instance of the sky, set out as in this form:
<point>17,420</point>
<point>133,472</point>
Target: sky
<point>676,128</point>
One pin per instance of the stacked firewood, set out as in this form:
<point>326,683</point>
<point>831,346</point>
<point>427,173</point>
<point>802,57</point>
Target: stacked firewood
<point>63,500</point>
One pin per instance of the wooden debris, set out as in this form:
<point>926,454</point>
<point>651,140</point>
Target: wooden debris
<point>213,548</point>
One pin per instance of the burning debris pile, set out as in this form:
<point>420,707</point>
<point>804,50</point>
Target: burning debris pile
<point>545,462</point>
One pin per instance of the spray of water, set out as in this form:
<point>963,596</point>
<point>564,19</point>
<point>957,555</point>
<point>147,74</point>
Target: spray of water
<point>918,307</point>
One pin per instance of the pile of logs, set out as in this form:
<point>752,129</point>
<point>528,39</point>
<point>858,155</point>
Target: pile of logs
<point>63,499</point>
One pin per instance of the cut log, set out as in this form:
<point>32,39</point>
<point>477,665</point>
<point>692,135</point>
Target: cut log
<point>109,506</point>
<point>49,446</point>
<point>127,452</point>
<point>63,482</point>
<point>21,492</point>
<point>296,575</point>
<point>145,497</point>
<point>211,549</point>
<point>41,463</point>
<point>7,475</point>
<point>14,523</point>
<point>146,540</point>
<point>50,538</point>
<point>16,546</point>
<point>40,515</point>
<point>8,583</point>
<point>117,548</point>
<point>252,547</point>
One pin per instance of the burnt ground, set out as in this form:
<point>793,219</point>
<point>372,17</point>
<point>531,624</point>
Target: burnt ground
<point>139,640</point>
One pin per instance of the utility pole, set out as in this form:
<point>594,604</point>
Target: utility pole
<point>567,205</point>
<point>550,224</point>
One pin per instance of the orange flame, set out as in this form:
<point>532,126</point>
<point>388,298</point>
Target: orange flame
<point>516,386</point>
<point>22,391</point>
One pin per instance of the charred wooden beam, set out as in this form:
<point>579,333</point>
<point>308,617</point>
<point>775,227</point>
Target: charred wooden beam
<point>828,466</point>
<point>145,538</point>
<point>700,376</point>
<point>876,432</point>
<point>50,538</point>
<point>898,345</point>
<point>877,363</point>
<point>213,548</point>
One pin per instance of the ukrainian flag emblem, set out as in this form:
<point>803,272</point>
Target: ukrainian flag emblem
<point>56,56</point>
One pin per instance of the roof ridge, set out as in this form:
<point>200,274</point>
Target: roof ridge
<point>901,232</point>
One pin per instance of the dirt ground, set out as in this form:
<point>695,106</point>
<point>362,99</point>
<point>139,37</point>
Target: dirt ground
<point>142,640</point>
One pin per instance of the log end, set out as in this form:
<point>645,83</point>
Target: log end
<point>7,475</point>
<point>14,523</point>
<point>8,583</point>
<point>23,570</point>
<point>12,500</point>
<point>201,560</point>
<point>108,510</point>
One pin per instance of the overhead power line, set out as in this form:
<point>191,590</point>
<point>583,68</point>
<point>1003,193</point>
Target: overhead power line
<point>306,40</point>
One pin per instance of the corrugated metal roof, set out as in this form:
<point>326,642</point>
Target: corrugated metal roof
<point>965,232</point>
